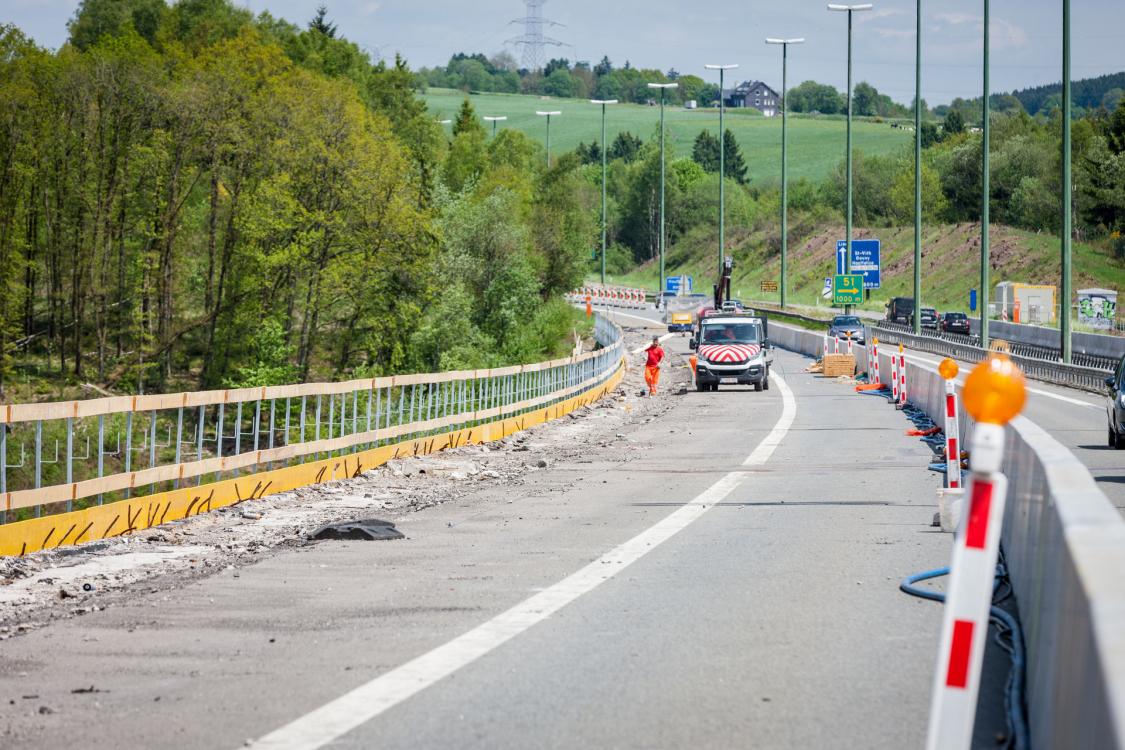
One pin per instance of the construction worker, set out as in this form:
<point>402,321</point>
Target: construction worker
<point>654,355</point>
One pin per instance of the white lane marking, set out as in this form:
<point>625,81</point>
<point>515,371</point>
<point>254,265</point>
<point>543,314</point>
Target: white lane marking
<point>1036,391</point>
<point>640,349</point>
<point>334,719</point>
<point>652,323</point>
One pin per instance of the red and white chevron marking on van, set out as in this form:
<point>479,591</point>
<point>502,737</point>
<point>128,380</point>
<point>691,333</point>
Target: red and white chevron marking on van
<point>732,353</point>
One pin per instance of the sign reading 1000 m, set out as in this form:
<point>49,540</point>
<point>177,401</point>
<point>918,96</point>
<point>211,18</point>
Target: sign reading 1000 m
<point>847,289</point>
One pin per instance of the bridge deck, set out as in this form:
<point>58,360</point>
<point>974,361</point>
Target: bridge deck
<point>771,619</point>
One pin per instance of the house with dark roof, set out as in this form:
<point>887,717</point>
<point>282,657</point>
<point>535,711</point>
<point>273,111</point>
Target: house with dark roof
<point>754,94</point>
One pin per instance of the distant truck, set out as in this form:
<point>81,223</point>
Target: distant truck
<point>900,310</point>
<point>732,348</point>
<point>679,322</point>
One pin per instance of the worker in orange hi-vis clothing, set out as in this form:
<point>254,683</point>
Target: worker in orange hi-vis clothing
<point>654,355</point>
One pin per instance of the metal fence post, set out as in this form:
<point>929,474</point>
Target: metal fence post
<point>179,439</point>
<point>199,441</point>
<point>4,469</point>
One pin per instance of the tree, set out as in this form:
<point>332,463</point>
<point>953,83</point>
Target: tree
<point>734,165</point>
<point>559,83</point>
<point>953,123</point>
<point>97,18</point>
<point>321,23</point>
<point>556,64</point>
<point>625,146</point>
<point>603,68</point>
<point>811,96</point>
<point>1115,135</point>
<point>705,151</point>
<point>466,120</point>
<point>864,98</point>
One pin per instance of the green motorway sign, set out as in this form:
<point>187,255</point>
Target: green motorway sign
<point>847,289</point>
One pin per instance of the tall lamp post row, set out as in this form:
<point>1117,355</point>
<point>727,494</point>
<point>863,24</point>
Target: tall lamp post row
<point>1065,291</point>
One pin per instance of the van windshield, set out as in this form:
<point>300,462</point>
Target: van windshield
<point>731,333</point>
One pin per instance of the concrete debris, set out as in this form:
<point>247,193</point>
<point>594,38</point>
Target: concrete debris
<point>148,565</point>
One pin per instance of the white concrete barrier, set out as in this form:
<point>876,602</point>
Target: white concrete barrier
<point>1064,544</point>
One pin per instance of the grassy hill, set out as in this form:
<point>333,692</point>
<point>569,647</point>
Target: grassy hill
<point>816,144</point>
<point>950,264</point>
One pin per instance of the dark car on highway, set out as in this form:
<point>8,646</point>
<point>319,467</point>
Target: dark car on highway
<point>844,326</point>
<point>1115,406</point>
<point>955,322</point>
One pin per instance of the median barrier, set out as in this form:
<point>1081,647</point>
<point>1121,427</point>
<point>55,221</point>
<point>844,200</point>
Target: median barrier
<point>288,441</point>
<point>1064,546</point>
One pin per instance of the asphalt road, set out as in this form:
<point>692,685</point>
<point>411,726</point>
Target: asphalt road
<point>723,576</point>
<point>1075,418</point>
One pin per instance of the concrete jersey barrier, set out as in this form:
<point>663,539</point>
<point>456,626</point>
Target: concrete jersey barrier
<point>1065,548</point>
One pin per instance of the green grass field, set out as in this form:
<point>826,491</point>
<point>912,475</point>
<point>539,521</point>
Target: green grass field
<point>816,145</point>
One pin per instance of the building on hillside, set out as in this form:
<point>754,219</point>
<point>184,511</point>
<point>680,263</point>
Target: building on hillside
<point>754,94</point>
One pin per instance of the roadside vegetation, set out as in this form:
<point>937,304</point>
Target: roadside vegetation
<point>194,197</point>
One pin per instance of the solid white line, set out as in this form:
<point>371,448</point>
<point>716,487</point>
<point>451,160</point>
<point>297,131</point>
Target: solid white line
<point>640,349</point>
<point>334,719</point>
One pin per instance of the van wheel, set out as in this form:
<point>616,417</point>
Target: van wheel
<point>701,387</point>
<point>758,386</point>
<point>766,383</point>
<point>1112,438</point>
<point>714,386</point>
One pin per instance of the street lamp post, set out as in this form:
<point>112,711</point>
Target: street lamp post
<point>494,120</point>
<point>604,150</point>
<point>918,168</point>
<point>722,161</point>
<point>850,9</point>
<point>982,298</point>
<point>663,90</point>
<point>784,162</point>
<point>548,115</point>
<point>1067,190</point>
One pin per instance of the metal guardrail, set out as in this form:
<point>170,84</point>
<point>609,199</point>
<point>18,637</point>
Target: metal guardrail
<point>1030,351</point>
<point>140,445</point>
<point>1074,376</point>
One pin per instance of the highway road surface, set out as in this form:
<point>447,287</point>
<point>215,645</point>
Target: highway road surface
<point>1075,418</point>
<point>724,575</point>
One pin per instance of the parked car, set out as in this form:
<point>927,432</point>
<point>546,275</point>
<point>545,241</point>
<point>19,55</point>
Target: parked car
<point>955,322</point>
<point>1115,406</point>
<point>900,309</point>
<point>845,326</point>
<point>929,318</point>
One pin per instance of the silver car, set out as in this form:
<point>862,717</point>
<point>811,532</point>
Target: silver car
<point>845,326</point>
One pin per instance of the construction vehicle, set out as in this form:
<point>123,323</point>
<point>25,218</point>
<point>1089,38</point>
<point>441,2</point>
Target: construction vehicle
<point>731,347</point>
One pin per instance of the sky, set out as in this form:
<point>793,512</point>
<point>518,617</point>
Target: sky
<point>1026,47</point>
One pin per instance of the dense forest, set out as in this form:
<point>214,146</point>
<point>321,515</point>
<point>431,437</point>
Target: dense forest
<point>193,196</point>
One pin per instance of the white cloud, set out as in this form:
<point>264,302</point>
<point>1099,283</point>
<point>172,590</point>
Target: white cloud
<point>1005,34</point>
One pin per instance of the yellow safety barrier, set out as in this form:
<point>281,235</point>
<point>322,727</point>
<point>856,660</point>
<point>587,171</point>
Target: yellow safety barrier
<point>126,516</point>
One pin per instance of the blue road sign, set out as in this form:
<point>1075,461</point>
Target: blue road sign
<point>865,261</point>
<point>678,284</point>
<point>972,300</point>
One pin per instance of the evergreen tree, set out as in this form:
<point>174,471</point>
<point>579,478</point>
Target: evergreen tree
<point>625,146</point>
<point>321,23</point>
<point>735,165</point>
<point>705,151</point>
<point>954,123</point>
<point>466,121</point>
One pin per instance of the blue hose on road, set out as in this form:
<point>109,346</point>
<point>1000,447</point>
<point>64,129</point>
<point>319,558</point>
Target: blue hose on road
<point>1009,637</point>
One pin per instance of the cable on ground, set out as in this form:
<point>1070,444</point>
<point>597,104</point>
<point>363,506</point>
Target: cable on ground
<point>1008,636</point>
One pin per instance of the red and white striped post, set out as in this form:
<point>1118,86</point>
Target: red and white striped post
<point>993,393</point>
<point>875,359</point>
<point>826,345</point>
<point>948,370</point>
<point>902,376</point>
<point>894,378</point>
<point>836,344</point>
